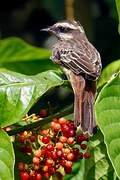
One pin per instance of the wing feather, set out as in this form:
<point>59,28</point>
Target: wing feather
<point>80,57</point>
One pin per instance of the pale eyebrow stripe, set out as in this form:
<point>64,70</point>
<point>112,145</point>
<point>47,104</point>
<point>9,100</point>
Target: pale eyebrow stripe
<point>67,25</point>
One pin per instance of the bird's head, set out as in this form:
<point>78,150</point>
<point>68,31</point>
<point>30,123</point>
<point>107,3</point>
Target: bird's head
<point>65,29</point>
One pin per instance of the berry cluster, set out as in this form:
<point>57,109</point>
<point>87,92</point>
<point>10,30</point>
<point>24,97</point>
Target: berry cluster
<point>52,148</point>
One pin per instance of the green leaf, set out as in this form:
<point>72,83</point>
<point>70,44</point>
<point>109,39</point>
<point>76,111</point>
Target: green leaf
<point>108,71</point>
<point>118,10</point>
<point>17,55</point>
<point>108,118</point>
<point>19,92</point>
<point>6,157</point>
<point>98,167</point>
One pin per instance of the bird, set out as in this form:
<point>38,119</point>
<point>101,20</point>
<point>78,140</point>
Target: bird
<point>81,63</point>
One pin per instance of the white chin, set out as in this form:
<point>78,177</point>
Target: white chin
<point>65,36</point>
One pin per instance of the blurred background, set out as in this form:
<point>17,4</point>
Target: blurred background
<point>25,18</point>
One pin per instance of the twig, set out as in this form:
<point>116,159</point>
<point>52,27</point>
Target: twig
<point>69,9</point>
<point>42,122</point>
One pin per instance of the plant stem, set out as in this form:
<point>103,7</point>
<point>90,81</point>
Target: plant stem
<point>40,123</point>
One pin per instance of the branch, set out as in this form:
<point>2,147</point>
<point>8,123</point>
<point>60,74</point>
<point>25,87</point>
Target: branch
<point>42,122</point>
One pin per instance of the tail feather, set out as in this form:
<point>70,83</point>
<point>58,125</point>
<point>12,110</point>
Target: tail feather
<point>84,92</point>
<point>78,85</point>
<point>77,113</point>
<point>88,116</point>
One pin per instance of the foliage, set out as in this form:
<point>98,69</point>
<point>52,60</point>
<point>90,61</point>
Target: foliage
<point>108,113</point>
<point>6,157</point>
<point>118,10</point>
<point>19,92</point>
<point>107,72</point>
<point>17,55</point>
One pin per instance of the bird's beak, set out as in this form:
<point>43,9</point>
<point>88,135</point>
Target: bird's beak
<point>45,29</point>
<point>49,29</point>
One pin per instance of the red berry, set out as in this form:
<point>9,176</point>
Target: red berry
<point>32,175</point>
<point>83,146</point>
<point>24,176</point>
<point>70,156</point>
<point>49,162</point>
<point>32,139</point>
<point>71,126</point>
<point>65,129</point>
<point>66,150</point>
<point>44,150</point>
<point>68,170</point>
<point>76,151</point>
<point>64,156</point>
<point>21,139</point>
<point>59,153</point>
<point>37,153</point>
<point>81,138</point>
<point>54,155</point>
<point>36,160</point>
<point>59,145</point>
<point>62,162</point>
<point>52,124</point>
<point>46,139</point>
<point>50,147</point>
<point>51,170</point>
<point>70,140</point>
<point>71,133</point>
<point>48,154</point>
<point>56,127</point>
<point>63,139</point>
<point>62,121</point>
<point>43,113</point>
<point>80,155</point>
<point>87,155</point>
<point>38,177</point>
<point>47,175</point>
<point>68,164</point>
<point>44,132</point>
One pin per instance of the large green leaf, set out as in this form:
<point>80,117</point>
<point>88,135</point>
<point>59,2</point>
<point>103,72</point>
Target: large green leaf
<point>17,55</point>
<point>19,92</point>
<point>98,167</point>
<point>108,71</point>
<point>108,118</point>
<point>118,10</point>
<point>6,157</point>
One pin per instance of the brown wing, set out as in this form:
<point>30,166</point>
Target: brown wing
<point>80,57</point>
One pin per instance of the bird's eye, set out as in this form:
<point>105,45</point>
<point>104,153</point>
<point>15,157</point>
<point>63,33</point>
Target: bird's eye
<point>61,29</point>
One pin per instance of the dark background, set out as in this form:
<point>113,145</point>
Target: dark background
<point>25,18</point>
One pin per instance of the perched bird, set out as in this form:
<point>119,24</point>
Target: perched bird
<point>82,65</point>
